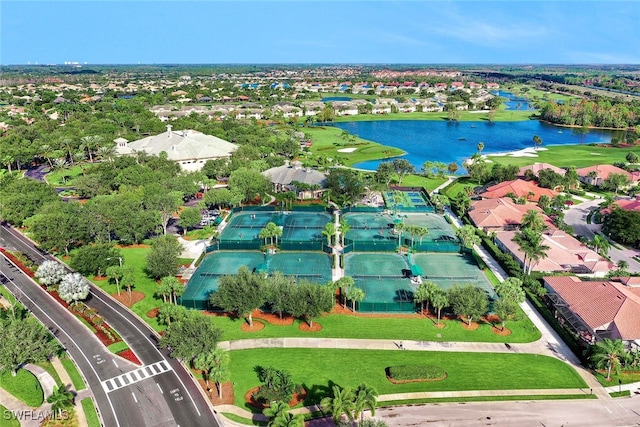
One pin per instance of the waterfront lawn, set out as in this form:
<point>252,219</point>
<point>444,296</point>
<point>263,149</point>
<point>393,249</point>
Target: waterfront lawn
<point>318,369</point>
<point>458,186</point>
<point>327,141</point>
<point>571,155</point>
<point>24,386</point>
<point>428,184</point>
<point>391,328</point>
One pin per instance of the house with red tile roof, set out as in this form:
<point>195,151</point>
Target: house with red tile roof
<point>631,204</point>
<point>565,254</point>
<point>537,167</point>
<point>502,214</point>
<point>520,188</point>
<point>597,309</point>
<point>596,175</point>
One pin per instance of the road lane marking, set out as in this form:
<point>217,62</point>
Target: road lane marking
<point>132,377</point>
<point>160,388</point>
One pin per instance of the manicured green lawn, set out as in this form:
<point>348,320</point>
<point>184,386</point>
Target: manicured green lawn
<point>55,178</point>
<point>458,186</point>
<point>118,347</point>
<point>7,419</point>
<point>24,386</point>
<point>327,142</point>
<point>136,257</point>
<point>428,184</point>
<point>418,329</point>
<point>571,155</point>
<point>490,399</point>
<point>626,377</point>
<point>90,412</point>
<point>74,374</point>
<point>317,369</point>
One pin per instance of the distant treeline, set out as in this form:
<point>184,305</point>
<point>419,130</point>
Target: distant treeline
<point>589,113</point>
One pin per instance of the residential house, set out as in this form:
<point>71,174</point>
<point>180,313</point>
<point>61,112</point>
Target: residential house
<point>597,309</point>
<point>565,254</point>
<point>537,167</point>
<point>502,214</point>
<point>596,175</point>
<point>519,188</point>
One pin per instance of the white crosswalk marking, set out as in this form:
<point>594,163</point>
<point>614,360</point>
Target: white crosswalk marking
<point>132,377</point>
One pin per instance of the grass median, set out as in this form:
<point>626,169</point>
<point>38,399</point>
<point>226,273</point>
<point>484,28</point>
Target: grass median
<point>318,369</point>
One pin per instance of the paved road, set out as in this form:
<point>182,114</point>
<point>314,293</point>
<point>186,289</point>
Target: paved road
<point>576,217</point>
<point>583,413</point>
<point>161,394</point>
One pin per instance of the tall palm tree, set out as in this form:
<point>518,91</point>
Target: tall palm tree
<point>480,147</point>
<point>329,231</point>
<point>366,397</point>
<point>440,300</point>
<point>341,403</point>
<point>355,295</point>
<point>344,229</point>
<point>421,232</point>
<point>425,292</point>
<point>600,244</point>
<point>399,227</point>
<point>608,353</point>
<point>537,141</point>
<point>60,399</point>
<point>532,220</point>
<point>219,372</point>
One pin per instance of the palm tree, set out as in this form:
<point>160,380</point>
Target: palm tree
<point>287,419</point>
<point>537,141</point>
<point>341,403</point>
<point>600,244</point>
<point>355,295</point>
<point>60,399</point>
<point>421,232</point>
<point>480,147</point>
<point>426,291</point>
<point>399,227</point>
<point>440,300</point>
<point>608,353</point>
<point>366,397</point>
<point>204,362</point>
<point>275,410</point>
<point>329,231</point>
<point>344,229</point>
<point>532,220</point>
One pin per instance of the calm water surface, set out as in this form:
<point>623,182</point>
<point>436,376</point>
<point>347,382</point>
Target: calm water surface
<point>443,141</point>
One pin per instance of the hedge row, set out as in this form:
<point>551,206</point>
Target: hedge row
<point>416,372</point>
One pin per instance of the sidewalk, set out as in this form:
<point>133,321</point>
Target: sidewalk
<point>79,395</point>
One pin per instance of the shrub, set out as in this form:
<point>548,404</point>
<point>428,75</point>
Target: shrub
<point>416,372</point>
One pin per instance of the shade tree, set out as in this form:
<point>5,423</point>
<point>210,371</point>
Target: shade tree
<point>241,293</point>
<point>194,335</point>
<point>468,301</point>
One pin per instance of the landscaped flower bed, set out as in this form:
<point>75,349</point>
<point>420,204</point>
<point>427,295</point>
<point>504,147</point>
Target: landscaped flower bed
<point>16,260</point>
<point>130,356</point>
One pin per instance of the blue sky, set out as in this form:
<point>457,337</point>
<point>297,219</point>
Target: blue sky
<point>301,31</point>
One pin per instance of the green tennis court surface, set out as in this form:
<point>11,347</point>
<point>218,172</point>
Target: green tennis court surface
<point>448,270</point>
<point>312,266</point>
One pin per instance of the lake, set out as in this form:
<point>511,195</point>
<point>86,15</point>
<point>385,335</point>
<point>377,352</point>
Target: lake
<point>447,142</point>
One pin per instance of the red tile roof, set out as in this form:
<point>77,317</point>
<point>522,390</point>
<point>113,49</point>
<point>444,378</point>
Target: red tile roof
<point>537,167</point>
<point>520,188</point>
<point>601,305</point>
<point>501,213</point>
<point>603,171</point>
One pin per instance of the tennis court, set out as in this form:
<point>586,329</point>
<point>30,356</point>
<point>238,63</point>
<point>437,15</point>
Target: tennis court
<point>216,264</point>
<point>384,279</point>
<point>403,200</point>
<point>439,228</point>
<point>312,266</point>
<point>448,270</point>
<point>369,226</point>
<point>297,226</point>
